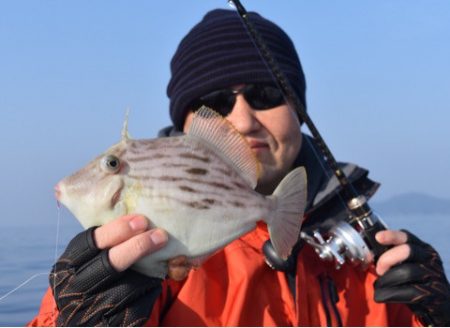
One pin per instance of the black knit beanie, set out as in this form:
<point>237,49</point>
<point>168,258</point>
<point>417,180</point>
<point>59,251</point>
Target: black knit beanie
<point>218,53</point>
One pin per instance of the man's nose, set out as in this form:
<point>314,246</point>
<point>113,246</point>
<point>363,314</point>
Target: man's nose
<point>243,116</point>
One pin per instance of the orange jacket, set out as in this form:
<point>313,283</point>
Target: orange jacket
<point>236,288</point>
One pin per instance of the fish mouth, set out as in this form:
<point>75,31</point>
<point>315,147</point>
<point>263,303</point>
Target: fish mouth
<point>57,192</point>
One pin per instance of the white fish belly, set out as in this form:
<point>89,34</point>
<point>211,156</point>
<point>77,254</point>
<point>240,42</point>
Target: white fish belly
<point>196,232</point>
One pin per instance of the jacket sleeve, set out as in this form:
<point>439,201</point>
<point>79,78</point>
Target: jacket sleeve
<point>48,312</point>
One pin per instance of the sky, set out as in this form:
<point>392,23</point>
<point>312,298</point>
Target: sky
<point>378,78</point>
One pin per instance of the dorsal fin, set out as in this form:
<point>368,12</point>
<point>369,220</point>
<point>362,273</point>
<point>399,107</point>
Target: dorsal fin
<point>225,140</point>
<point>125,135</point>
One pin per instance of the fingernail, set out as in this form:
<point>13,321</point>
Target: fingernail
<point>159,237</point>
<point>379,237</point>
<point>138,223</point>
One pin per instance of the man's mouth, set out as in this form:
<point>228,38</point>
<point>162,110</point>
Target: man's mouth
<point>258,146</point>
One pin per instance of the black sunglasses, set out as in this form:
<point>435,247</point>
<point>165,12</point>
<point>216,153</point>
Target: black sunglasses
<point>258,96</point>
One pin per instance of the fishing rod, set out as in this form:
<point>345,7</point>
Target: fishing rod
<point>353,239</point>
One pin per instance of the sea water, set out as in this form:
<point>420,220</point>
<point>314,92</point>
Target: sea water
<point>25,252</point>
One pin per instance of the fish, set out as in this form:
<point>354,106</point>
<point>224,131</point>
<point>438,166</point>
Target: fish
<point>198,186</point>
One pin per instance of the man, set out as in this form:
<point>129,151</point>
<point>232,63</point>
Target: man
<point>217,65</point>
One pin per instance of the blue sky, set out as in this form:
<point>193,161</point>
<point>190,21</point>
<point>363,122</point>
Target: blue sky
<point>378,78</point>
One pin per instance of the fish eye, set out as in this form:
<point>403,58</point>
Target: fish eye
<point>111,163</point>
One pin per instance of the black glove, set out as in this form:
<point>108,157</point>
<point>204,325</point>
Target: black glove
<point>419,282</point>
<point>89,292</point>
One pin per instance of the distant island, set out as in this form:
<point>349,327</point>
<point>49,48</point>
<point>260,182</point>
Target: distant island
<point>412,203</point>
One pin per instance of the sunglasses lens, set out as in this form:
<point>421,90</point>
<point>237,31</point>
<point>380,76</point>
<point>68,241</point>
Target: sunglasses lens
<point>263,96</point>
<point>222,101</point>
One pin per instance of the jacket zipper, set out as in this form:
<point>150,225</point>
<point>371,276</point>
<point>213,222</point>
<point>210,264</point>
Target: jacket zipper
<point>329,300</point>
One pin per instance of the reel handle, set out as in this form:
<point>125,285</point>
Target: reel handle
<point>369,233</point>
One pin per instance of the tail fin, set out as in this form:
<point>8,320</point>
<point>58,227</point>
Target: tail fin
<point>285,223</point>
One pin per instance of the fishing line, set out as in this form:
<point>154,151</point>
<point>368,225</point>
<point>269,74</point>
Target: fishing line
<point>348,190</point>
<point>326,171</point>
<point>362,223</point>
<point>24,283</point>
<point>293,102</point>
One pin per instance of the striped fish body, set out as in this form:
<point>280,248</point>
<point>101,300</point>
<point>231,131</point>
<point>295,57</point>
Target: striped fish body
<point>194,195</point>
<point>199,191</point>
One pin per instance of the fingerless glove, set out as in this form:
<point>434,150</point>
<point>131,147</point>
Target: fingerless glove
<point>89,292</point>
<point>419,282</point>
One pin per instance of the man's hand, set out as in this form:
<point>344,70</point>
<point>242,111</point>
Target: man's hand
<point>128,240</point>
<point>91,283</point>
<point>411,272</point>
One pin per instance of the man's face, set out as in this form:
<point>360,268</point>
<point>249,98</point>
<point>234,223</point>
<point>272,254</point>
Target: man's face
<point>273,134</point>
